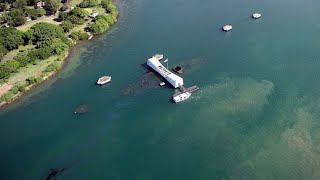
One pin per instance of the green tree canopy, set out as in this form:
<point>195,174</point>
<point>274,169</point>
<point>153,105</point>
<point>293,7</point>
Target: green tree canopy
<point>75,19</point>
<point>52,6</point>
<point>47,32</point>
<point>88,3</point>
<point>35,13</point>
<point>67,26</point>
<point>20,4</point>
<point>11,38</point>
<point>79,12</point>
<point>105,3</point>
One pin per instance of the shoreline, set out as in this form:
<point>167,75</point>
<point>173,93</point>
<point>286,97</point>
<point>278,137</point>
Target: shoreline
<point>63,64</point>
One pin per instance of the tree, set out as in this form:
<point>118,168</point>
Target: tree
<point>105,3</point>
<point>99,26</point>
<point>80,35</point>
<point>20,4</point>
<point>11,38</point>
<point>3,50</point>
<point>111,9</point>
<point>66,26</point>
<point>4,6</point>
<point>75,20</point>
<point>108,18</point>
<point>35,13</point>
<point>79,12</point>
<point>15,13</point>
<point>47,32</point>
<point>63,15</point>
<point>17,21</point>
<point>23,60</point>
<point>28,37</point>
<point>52,6</point>
<point>58,47</point>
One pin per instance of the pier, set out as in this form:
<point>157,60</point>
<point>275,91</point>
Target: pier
<point>189,89</point>
<point>174,80</point>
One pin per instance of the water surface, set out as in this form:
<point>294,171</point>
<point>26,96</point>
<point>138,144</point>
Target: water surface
<point>256,115</point>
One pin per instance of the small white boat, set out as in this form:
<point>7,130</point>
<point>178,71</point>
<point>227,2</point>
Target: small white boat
<point>181,97</point>
<point>104,80</point>
<point>256,15</point>
<point>227,27</point>
<point>162,84</point>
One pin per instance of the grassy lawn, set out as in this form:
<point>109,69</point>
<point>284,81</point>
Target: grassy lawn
<point>75,2</point>
<point>30,70</point>
<point>80,27</point>
<point>12,54</point>
<point>99,10</point>
<point>28,25</point>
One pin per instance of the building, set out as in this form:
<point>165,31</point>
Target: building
<point>94,14</point>
<point>40,4</point>
<point>173,79</point>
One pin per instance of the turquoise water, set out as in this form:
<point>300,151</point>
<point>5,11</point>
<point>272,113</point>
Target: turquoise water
<point>256,115</point>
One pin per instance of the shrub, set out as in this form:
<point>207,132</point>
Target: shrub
<point>66,26</point>
<point>52,67</point>
<point>38,80</point>
<point>7,97</point>
<point>15,89</point>
<point>22,88</point>
<point>30,80</point>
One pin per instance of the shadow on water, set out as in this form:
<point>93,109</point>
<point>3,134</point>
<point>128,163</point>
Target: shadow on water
<point>54,172</point>
<point>82,109</point>
<point>152,79</point>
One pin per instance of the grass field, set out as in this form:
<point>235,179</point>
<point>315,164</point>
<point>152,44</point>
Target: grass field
<point>12,54</point>
<point>24,73</point>
<point>75,2</point>
<point>48,19</point>
<point>30,70</point>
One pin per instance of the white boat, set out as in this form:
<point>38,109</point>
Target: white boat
<point>104,80</point>
<point>256,15</point>
<point>227,27</point>
<point>181,97</point>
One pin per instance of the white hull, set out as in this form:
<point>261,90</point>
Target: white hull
<point>104,80</point>
<point>181,97</point>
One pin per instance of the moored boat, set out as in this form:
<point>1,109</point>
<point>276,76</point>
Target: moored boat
<point>227,28</point>
<point>104,80</point>
<point>256,16</point>
<point>181,97</point>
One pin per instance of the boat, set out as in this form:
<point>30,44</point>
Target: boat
<point>104,80</point>
<point>162,84</point>
<point>256,15</point>
<point>227,28</point>
<point>181,97</point>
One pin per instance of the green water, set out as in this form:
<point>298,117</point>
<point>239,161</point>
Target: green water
<point>256,116</point>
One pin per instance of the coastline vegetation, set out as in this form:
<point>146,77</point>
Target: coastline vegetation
<point>28,57</point>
